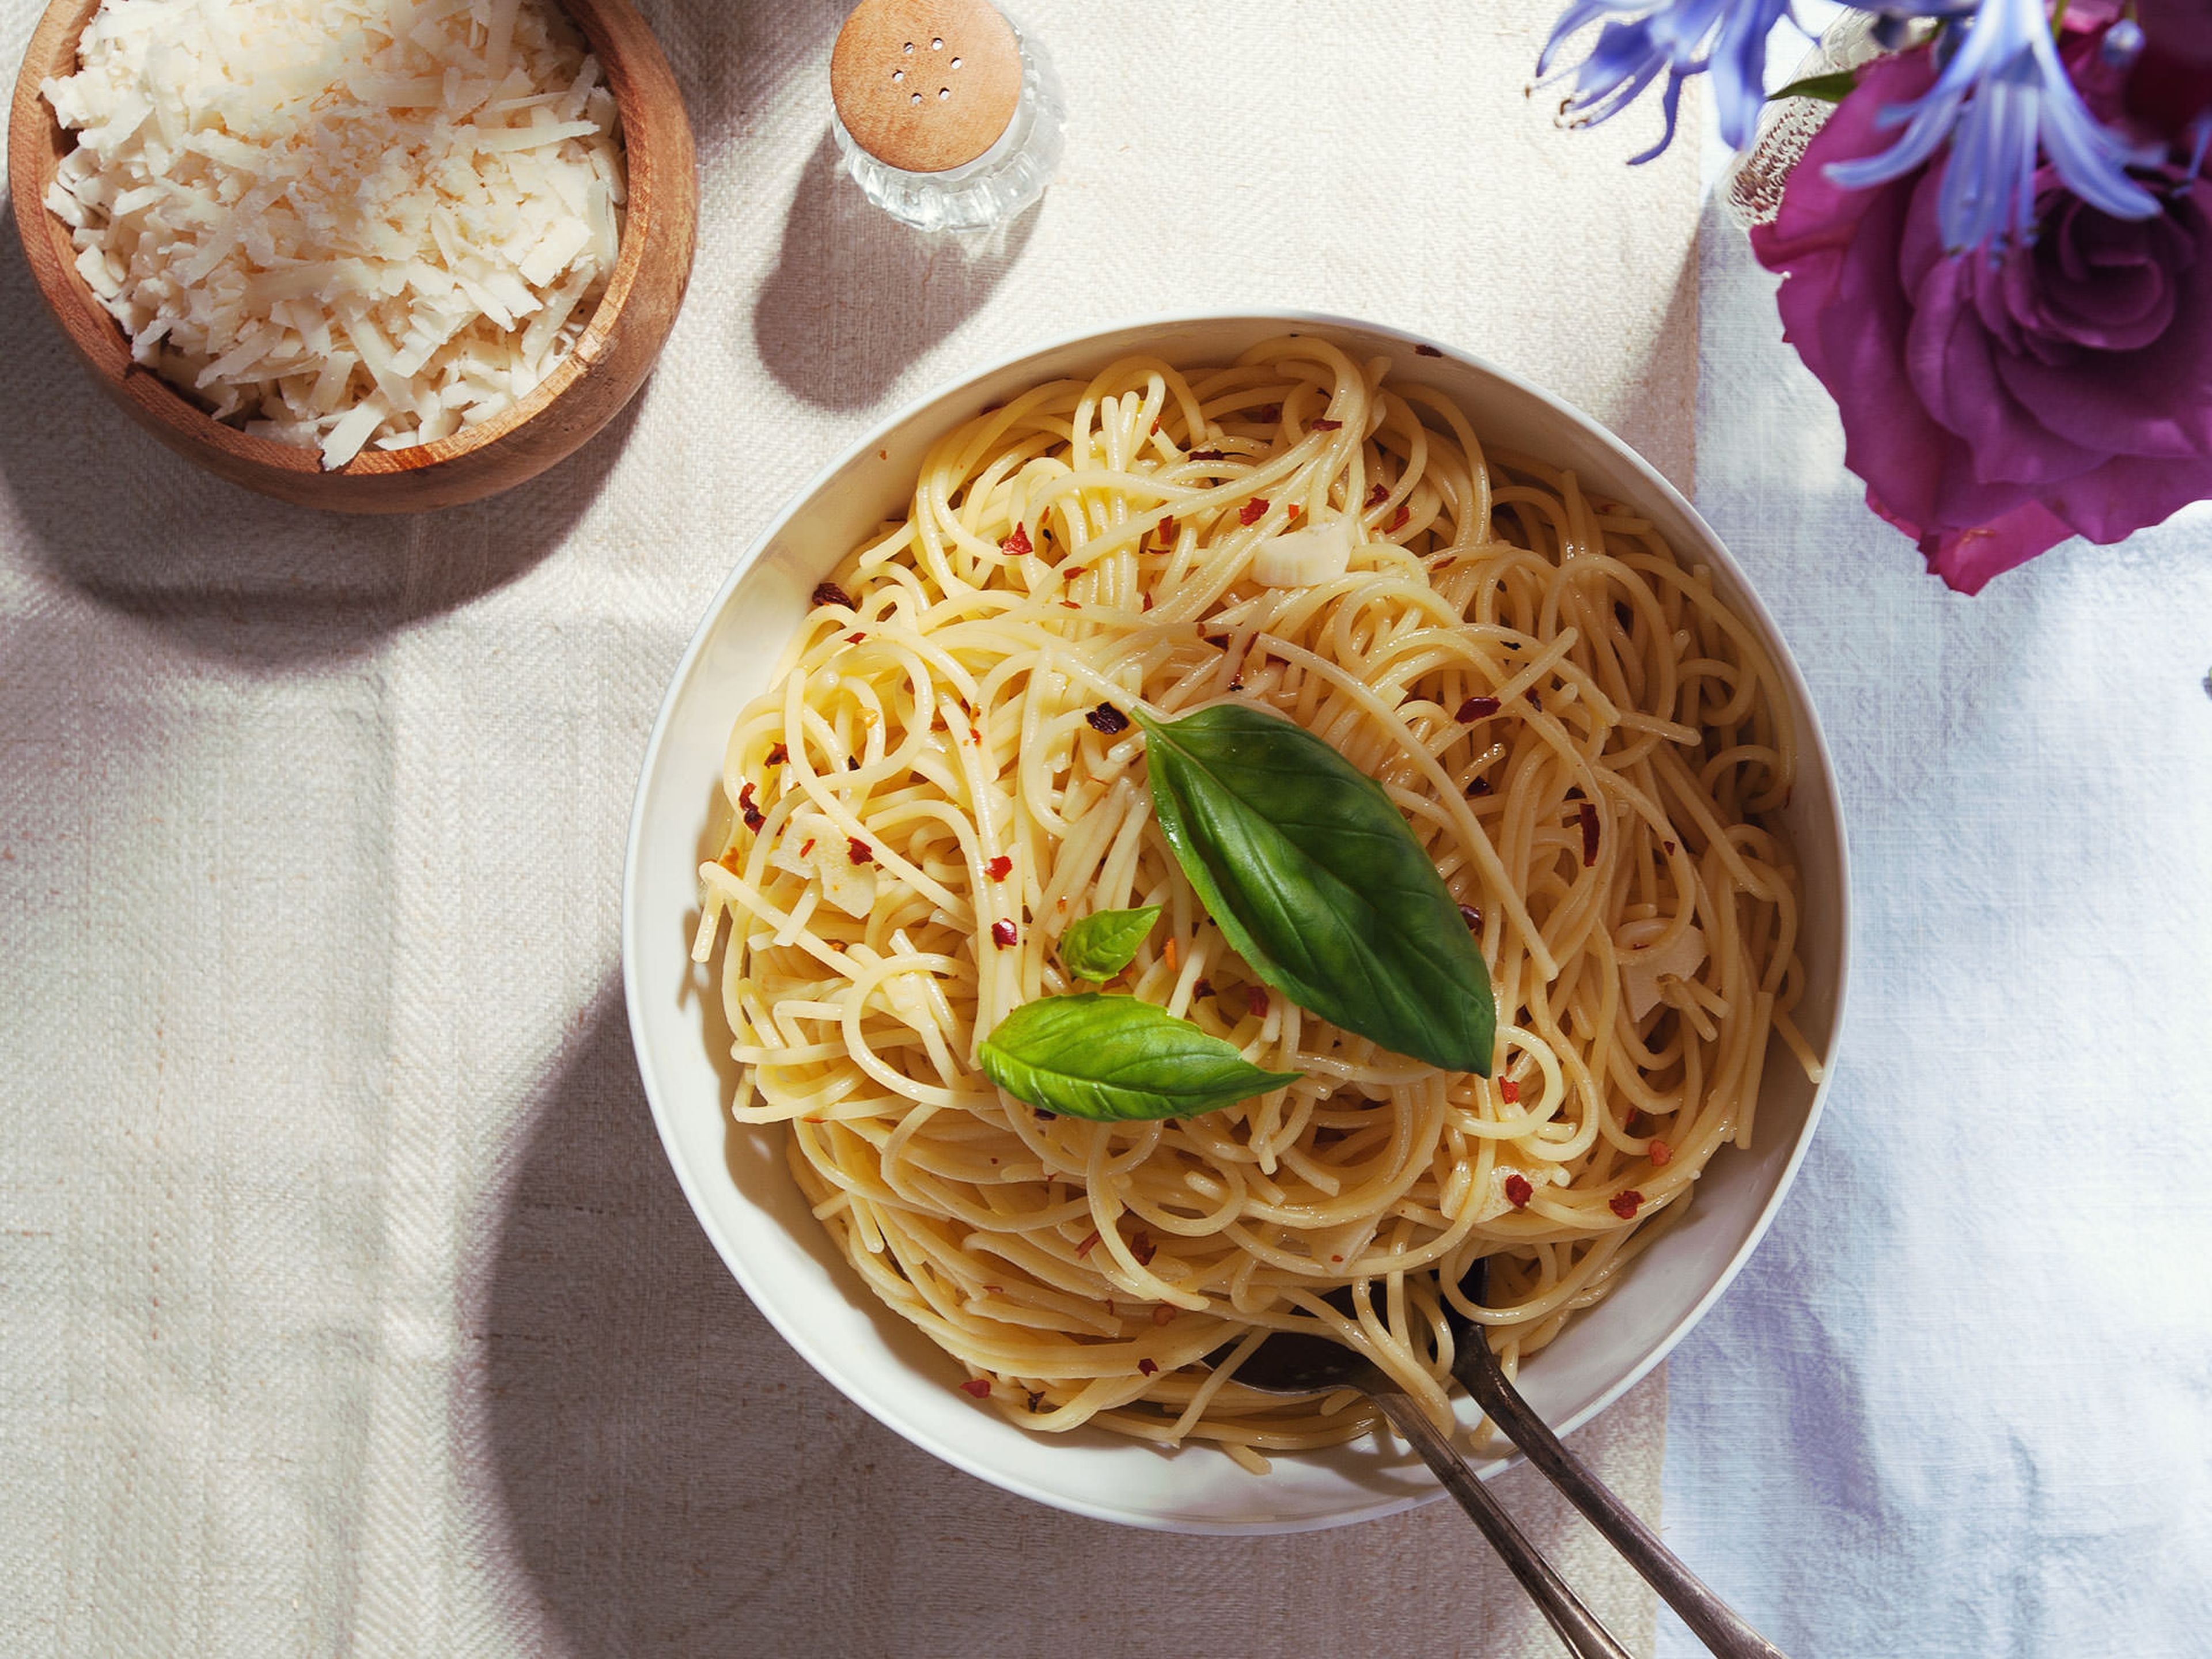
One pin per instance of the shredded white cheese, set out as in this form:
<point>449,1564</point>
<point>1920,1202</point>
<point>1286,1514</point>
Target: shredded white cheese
<point>341,222</point>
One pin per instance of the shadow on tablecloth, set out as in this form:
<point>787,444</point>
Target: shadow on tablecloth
<point>661,1474</point>
<point>142,531</point>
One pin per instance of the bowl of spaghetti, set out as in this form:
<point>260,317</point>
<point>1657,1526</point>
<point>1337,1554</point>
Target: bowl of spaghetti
<point>906,752</point>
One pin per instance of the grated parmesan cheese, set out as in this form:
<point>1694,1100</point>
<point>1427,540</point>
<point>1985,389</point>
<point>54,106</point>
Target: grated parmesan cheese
<point>341,222</point>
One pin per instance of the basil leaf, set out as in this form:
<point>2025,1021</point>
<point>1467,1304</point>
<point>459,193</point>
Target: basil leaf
<point>1830,88</point>
<point>1317,880</point>
<point>1103,943</point>
<point>1113,1058</point>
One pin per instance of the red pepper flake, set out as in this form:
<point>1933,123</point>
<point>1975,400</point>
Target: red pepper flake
<point>1069,572</point>
<point>1252,511</point>
<point>855,639</point>
<point>1669,846</point>
<point>1329,426</point>
<point>1534,701</point>
<point>1148,602</point>
<point>753,816</point>
<point>1508,1092</point>
<point>1167,529</point>
<point>1142,1248</point>
<point>1518,1192</point>
<point>1003,934</point>
<point>830,593</point>
<point>978,1386</point>
<point>1108,719</point>
<point>999,867</point>
<point>1206,455</point>
<point>777,755</point>
<point>859,851</point>
<point>1587,813</point>
<point>1479,787</point>
<point>1147,1367</point>
<point>1398,519</point>
<point>1426,351</point>
<point>1155,424</point>
<point>1625,1205</point>
<point>1661,1154</point>
<point>1470,915</point>
<point>1269,412</point>
<point>806,846</point>
<point>1203,988</point>
<point>1477,709</point>
<point>1018,542</point>
<point>1379,495</point>
<point>974,734</point>
<point>1087,1246</point>
<point>851,762</point>
<point>1162,1314</point>
<point>1069,604</point>
<point>1295,509</point>
<point>1256,999</point>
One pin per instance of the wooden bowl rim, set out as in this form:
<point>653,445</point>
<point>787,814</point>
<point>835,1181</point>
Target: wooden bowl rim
<point>53,51</point>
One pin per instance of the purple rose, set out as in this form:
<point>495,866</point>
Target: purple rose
<point>1995,407</point>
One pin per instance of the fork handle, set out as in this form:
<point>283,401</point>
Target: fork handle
<point>1718,1626</point>
<point>1578,1627</point>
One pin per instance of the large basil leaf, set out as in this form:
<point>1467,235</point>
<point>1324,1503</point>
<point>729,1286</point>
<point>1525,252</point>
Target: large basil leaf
<point>1103,943</point>
<point>1109,1057</point>
<point>1317,880</point>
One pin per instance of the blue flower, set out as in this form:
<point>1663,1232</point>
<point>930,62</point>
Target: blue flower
<point>2002,96</point>
<point>1680,37</point>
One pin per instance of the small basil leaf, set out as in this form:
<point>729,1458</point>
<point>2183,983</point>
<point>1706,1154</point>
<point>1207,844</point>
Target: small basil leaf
<point>1103,943</point>
<point>1113,1058</point>
<point>1316,879</point>
<point>1830,88</point>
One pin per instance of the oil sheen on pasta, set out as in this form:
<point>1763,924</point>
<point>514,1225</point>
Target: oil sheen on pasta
<point>1585,738</point>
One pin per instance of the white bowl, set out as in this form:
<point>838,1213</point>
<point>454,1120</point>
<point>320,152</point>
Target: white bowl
<point>736,1177</point>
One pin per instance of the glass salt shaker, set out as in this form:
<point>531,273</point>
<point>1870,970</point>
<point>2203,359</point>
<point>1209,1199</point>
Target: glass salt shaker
<point>948,117</point>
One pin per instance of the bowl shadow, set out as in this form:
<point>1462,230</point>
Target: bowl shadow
<point>665,1475</point>
<point>114,515</point>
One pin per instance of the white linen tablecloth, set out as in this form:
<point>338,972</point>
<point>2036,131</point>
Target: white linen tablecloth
<point>349,1305</point>
<point>1960,1402</point>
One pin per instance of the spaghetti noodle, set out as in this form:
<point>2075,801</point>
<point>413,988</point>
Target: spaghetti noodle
<point>1587,740</point>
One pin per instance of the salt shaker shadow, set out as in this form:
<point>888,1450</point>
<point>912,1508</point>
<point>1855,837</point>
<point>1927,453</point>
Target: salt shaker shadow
<point>856,298</point>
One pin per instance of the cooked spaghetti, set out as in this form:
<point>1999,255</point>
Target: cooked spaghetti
<point>1587,740</point>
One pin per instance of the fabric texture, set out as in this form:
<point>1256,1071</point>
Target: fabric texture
<point>349,1304</point>
<point>1958,1403</point>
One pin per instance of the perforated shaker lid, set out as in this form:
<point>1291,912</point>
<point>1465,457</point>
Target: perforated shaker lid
<point>926,85</point>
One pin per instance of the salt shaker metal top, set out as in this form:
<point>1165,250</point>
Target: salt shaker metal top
<point>947,117</point>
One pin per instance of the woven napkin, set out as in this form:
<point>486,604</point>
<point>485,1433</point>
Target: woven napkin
<point>349,1305</point>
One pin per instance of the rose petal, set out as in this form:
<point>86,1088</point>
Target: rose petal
<point>1967,559</point>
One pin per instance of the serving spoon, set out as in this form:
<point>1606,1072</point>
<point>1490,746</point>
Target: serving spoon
<point>1308,1363</point>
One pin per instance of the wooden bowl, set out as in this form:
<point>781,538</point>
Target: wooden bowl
<point>584,391</point>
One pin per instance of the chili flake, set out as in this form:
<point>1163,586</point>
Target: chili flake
<point>1398,519</point>
<point>1003,934</point>
<point>1147,1367</point>
<point>1167,529</point>
<point>1252,511</point>
<point>1379,495</point>
<point>1625,1205</point>
<point>1477,709</point>
<point>1018,542</point>
<point>777,755</point>
<point>1148,602</point>
<point>1470,915</point>
<point>1587,813</point>
<point>1669,846</point>
<point>999,867</point>
<point>1518,1192</point>
<point>1256,999</point>
<point>980,1387</point>
<point>1108,719</point>
<point>1329,426</point>
<point>1142,1248</point>
<point>753,816</point>
<point>1206,455</point>
<point>1508,1092</point>
<point>1661,1154</point>
<point>855,639</point>
<point>1426,351</point>
<point>806,846</point>
<point>858,851</point>
<point>1203,988</point>
<point>1088,1245</point>
<point>830,593</point>
<point>851,762</point>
